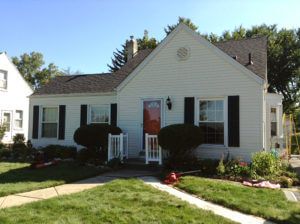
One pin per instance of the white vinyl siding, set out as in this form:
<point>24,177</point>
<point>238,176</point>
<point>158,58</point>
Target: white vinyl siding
<point>203,75</point>
<point>73,104</point>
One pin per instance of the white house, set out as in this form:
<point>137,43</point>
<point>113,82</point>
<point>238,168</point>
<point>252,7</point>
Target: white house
<point>221,87</point>
<point>14,99</point>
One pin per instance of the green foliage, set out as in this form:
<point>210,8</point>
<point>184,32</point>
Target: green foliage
<point>86,155</point>
<point>20,150</point>
<point>235,169</point>
<point>264,164</point>
<point>186,21</point>
<point>114,163</point>
<point>5,151</point>
<point>31,67</point>
<point>95,136</point>
<point>285,182</point>
<point>297,119</point>
<point>221,167</point>
<point>120,56</point>
<point>60,151</point>
<point>2,131</point>
<point>180,138</point>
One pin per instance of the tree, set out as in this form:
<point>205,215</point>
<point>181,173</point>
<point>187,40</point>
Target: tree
<point>30,66</point>
<point>68,71</point>
<point>120,56</point>
<point>186,21</point>
<point>283,59</point>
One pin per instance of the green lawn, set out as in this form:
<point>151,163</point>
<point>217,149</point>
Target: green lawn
<point>269,204</point>
<point>18,177</point>
<point>120,201</point>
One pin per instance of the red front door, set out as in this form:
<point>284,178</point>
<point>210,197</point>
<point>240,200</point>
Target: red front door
<point>152,118</point>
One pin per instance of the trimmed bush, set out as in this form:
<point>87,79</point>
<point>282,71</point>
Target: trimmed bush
<point>20,150</point>
<point>4,151</point>
<point>2,131</point>
<point>95,136</point>
<point>60,151</point>
<point>180,138</point>
<point>84,155</point>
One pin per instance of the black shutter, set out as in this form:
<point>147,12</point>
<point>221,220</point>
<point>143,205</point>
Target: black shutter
<point>83,115</point>
<point>233,121</point>
<point>62,122</point>
<point>189,110</point>
<point>35,123</point>
<point>113,114</point>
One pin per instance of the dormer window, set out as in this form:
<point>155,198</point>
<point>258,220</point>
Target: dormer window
<point>3,79</point>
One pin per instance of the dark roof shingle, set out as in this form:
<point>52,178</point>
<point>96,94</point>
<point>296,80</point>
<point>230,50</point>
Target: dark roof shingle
<point>107,82</point>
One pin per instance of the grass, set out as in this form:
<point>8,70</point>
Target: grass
<point>18,177</point>
<point>120,201</point>
<point>266,203</point>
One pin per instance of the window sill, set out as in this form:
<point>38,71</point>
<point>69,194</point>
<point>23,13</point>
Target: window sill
<point>213,146</point>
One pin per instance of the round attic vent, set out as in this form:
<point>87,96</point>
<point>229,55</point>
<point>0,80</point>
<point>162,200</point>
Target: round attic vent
<point>183,53</point>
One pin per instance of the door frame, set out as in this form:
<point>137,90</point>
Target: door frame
<point>162,116</point>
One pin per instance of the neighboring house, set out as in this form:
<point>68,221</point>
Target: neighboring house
<point>221,87</point>
<point>14,99</point>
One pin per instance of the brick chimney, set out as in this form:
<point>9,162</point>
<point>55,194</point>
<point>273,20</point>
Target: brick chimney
<point>132,48</point>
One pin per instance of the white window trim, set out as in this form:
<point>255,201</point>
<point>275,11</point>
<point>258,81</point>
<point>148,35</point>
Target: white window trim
<point>90,114</point>
<point>4,80</point>
<point>277,121</point>
<point>15,119</point>
<point>225,114</point>
<point>41,122</point>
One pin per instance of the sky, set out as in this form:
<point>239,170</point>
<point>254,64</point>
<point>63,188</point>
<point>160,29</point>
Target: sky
<point>83,34</point>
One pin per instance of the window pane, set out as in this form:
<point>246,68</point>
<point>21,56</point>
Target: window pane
<point>213,132</point>
<point>49,130</point>
<point>203,115</point>
<point>18,123</point>
<point>99,114</point>
<point>203,105</point>
<point>219,116</point>
<point>19,114</point>
<point>6,121</point>
<point>211,115</point>
<point>219,105</point>
<point>3,75</point>
<point>211,105</point>
<point>50,114</point>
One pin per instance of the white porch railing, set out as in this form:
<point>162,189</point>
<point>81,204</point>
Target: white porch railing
<point>117,146</point>
<point>153,150</point>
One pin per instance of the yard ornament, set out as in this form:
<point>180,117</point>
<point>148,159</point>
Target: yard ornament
<point>172,178</point>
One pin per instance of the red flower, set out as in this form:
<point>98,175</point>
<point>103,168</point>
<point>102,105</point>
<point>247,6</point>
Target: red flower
<point>242,163</point>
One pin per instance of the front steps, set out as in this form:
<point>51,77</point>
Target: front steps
<point>139,164</point>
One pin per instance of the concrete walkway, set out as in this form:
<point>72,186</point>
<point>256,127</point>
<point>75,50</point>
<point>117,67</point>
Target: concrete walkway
<point>217,209</point>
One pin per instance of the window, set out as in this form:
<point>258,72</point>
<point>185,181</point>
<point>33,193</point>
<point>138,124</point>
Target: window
<point>49,122</point>
<point>7,121</point>
<point>99,114</point>
<point>273,119</point>
<point>211,121</point>
<point>3,79</point>
<point>19,119</point>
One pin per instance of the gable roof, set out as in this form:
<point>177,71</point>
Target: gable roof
<point>110,82</point>
<point>91,83</point>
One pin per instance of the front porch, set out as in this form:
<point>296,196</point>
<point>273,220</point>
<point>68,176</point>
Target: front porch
<point>118,148</point>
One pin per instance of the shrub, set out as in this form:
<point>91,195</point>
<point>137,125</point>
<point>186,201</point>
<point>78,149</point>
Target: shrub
<point>4,151</point>
<point>84,155</point>
<point>236,169</point>
<point>294,145</point>
<point>180,139</point>
<point>264,164</point>
<point>285,181</point>
<point>20,150</point>
<point>95,136</point>
<point>221,167</point>
<point>2,131</point>
<point>60,151</point>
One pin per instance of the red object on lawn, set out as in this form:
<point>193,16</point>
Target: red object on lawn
<point>172,178</point>
<point>42,165</point>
